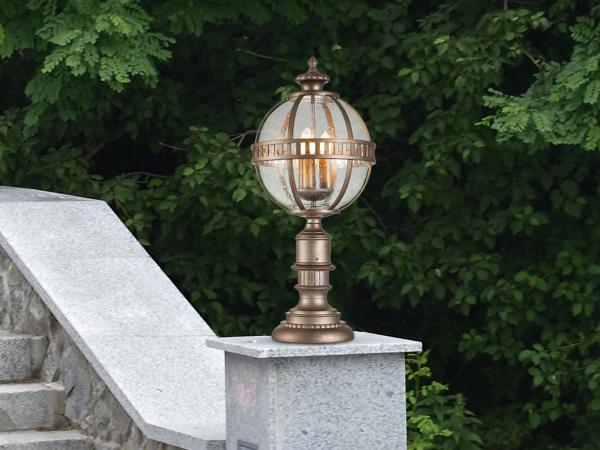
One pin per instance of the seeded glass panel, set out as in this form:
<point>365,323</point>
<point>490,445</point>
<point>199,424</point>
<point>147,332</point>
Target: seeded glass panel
<point>328,120</point>
<point>359,128</point>
<point>319,117</point>
<point>274,126</point>
<point>360,172</point>
<point>275,178</point>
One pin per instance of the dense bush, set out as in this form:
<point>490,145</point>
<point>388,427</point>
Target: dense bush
<point>479,232</point>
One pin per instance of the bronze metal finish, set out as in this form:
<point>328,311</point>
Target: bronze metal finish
<point>312,320</point>
<point>333,149</point>
<point>312,79</point>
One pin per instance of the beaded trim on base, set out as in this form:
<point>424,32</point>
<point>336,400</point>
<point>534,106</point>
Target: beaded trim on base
<point>285,324</point>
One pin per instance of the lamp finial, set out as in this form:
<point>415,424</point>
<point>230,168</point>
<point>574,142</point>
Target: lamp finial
<point>312,79</point>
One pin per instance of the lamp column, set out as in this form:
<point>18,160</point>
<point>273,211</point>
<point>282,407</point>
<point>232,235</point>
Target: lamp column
<point>313,321</point>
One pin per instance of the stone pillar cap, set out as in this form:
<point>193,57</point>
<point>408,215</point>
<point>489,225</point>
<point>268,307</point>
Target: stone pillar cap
<point>265,347</point>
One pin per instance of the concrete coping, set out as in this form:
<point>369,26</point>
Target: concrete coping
<point>132,324</point>
<point>265,347</point>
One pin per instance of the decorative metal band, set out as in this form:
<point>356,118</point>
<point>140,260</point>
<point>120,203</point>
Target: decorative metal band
<point>290,163</point>
<point>264,119</point>
<point>330,94</point>
<point>364,185</point>
<point>344,186</point>
<point>352,149</point>
<point>346,119</point>
<point>313,213</point>
<point>317,326</point>
<point>349,164</point>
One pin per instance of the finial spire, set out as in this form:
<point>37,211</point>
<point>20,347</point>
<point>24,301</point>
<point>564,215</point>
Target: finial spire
<point>312,79</point>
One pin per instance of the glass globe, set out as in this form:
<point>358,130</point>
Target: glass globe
<point>313,151</point>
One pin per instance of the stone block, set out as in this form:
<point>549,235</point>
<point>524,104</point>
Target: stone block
<point>20,355</point>
<point>25,406</point>
<point>45,440</point>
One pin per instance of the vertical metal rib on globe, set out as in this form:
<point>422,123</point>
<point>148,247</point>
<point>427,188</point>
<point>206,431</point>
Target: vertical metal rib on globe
<point>313,156</point>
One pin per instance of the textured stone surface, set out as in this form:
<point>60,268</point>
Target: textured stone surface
<point>45,440</point>
<point>20,356</point>
<point>265,347</point>
<point>25,406</point>
<point>331,397</point>
<point>88,404</point>
<point>102,287</point>
<point>11,194</point>
<point>342,402</point>
<point>183,351</point>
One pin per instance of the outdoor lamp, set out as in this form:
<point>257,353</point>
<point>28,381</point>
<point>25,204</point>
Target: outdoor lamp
<point>313,156</point>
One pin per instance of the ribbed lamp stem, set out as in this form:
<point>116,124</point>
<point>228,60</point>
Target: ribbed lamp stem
<point>313,321</point>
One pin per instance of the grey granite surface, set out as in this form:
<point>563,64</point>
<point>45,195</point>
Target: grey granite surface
<point>85,400</point>
<point>20,355</point>
<point>338,402</point>
<point>45,440</point>
<point>12,194</point>
<point>138,332</point>
<point>27,406</point>
<point>265,347</point>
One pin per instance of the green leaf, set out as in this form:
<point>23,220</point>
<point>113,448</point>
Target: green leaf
<point>404,71</point>
<point>591,93</point>
<point>521,276</point>
<point>239,195</point>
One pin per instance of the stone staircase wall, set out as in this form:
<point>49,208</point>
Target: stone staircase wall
<point>65,376</point>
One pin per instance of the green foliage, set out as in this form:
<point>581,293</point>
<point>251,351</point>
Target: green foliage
<point>479,231</point>
<point>561,106</point>
<point>436,419</point>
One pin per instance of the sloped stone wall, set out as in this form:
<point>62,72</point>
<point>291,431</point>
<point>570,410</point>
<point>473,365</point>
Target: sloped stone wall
<point>90,406</point>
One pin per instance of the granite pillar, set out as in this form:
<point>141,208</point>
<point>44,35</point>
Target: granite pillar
<point>348,396</point>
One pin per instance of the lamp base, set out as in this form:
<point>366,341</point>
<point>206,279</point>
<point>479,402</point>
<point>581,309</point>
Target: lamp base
<point>312,334</point>
<point>313,321</point>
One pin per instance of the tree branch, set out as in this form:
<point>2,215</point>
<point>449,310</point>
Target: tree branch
<point>173,147</point>
<point>535,62</point>
<point>259,55</point>
<point>241,136</point>
<point>121,208</point>
<point>377,216</point>
<point>524,2</point>
<point>96,149</point>
<point>145,174</point>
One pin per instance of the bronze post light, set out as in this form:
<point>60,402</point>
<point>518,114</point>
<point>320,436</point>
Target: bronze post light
<point>313,156</point>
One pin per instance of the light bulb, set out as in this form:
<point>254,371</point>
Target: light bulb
<point>307,133</point>
<point>316,176</point>
<point>327,167</point>
<point>324,135</point>
<point>307,167</point>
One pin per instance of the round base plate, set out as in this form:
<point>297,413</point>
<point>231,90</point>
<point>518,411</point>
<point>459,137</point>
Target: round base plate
<point>307,334</point>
